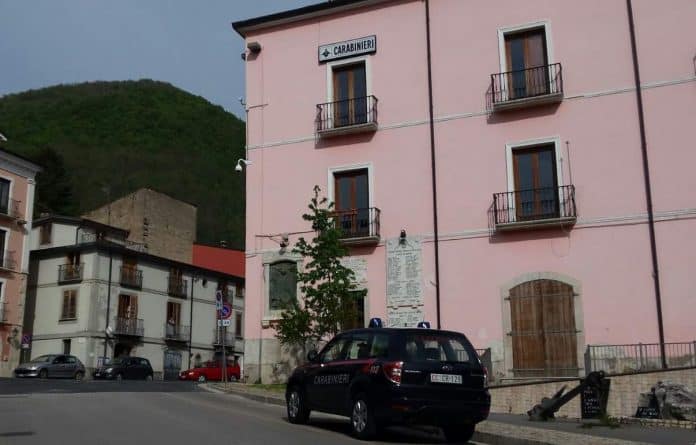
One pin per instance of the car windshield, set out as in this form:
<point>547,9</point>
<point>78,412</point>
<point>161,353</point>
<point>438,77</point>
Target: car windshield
<point>442,347</point>
<point>44,358</point>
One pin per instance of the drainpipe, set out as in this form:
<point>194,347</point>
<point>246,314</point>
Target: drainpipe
<point>108,305</point>
<point>193,279</point>
<point>648,188</point>
<point>432,165</point>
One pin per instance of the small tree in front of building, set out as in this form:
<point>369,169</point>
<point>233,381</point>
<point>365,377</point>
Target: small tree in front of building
<point>328,289</point>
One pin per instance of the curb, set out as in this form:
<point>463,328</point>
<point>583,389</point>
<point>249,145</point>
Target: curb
<point>272,400</point>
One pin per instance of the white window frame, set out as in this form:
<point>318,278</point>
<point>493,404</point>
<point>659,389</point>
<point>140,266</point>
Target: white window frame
<point>511,146</point>
<point>350,61</point>
<point>77,305</point>
<point>3,286</point>
<point>331,192</point>
<point>330,189</point>
<point>9,193</point>
<point>502,32</point>
<point>8,232</point>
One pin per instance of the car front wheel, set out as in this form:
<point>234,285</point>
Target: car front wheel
<point>298,413</point>
<point>43,374</point>
<point>362,418</point>
<point>79,375</point>
<point>459,433</point>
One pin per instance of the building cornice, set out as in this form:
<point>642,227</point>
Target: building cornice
<point>18,165</point>
<point>244,27</point>
<point>106,247</point>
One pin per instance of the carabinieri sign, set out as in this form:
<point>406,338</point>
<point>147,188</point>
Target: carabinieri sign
<point>348,48</point>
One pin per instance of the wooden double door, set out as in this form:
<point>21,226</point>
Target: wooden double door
<point>350,95</point>
<point>352,201</point>
<point>544,334</point>
<point>527,64</point>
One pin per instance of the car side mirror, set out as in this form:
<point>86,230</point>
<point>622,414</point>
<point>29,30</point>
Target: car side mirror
<point>312,356</point>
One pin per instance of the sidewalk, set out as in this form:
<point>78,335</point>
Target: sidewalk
<point>517,430</point>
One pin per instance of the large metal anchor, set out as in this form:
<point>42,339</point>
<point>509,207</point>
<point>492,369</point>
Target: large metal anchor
<point>549,406</point>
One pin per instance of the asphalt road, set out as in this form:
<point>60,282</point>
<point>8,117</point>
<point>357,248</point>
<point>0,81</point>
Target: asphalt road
<point>171,413</point>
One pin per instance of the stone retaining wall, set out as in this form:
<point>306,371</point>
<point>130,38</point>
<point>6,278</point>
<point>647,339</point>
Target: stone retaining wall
<point>623,395</point>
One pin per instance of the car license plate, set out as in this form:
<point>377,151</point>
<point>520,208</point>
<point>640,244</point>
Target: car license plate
<point>446,378</point>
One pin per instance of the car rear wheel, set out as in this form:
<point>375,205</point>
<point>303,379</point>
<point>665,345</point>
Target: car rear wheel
<point>362,418</point>
<point>201,379</point>
<point>79,375</point>
<point>459,433</point>
<point>43,374</point>
<point>298,412</point>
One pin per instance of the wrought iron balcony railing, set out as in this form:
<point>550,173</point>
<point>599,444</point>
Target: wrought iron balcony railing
<point>347,116</point>
<point>133,327</point>
<point>548,205</point>
<point>131,277</point>
<point>7,260</point>
<point>11,208</point>
<point>70,273</point>
<point>177,287</point>
<point>229,337</point>
<point>541,84</point>
<point>174,332</point>
<point>358,226</point>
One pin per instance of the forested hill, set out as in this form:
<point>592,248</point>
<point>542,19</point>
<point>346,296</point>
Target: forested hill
<point>102,140</point>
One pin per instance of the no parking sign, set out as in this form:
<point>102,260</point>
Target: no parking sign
<point>226,311</point>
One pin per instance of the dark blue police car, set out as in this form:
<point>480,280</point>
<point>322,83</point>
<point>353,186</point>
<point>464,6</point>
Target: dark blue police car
<point>386,376</point>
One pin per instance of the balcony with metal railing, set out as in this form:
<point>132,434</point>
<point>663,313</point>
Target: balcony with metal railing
<point>11,209</point>
<point>523,88</point>
<point>7,261</point>
<point>132,327</point>
<point>70,273</point>
<point>541,207</point>
<point>229,337</point>
<point>347,116</point>
<point>358,226</point>
<point>131,277</point>
<point>177,287</point>
<point>176,333</point>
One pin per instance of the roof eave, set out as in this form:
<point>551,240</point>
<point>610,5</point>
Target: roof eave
<point>244,27</point>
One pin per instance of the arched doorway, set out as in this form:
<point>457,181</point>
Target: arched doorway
<point>543,329</point>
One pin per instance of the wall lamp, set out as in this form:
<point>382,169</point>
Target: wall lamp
<point>240,162</point>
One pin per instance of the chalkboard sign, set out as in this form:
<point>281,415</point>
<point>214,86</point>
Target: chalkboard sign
<point>648,412</point>
<point>593,401</point>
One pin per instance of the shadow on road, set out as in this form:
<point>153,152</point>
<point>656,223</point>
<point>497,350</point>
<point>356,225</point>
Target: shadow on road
<point>9,387</point>
<point>390,435</point>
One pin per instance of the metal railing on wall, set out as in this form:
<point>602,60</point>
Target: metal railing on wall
<point>346,113</point>
<point>534,204</point>
<point>527,83</point>
<point>616,359</point>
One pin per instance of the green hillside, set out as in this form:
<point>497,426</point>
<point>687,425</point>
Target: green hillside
<point>120,136</point>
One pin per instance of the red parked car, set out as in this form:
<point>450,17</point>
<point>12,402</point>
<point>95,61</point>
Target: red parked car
<point>210,371</point>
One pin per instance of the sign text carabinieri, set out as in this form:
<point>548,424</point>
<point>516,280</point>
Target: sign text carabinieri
<point>348,48</point>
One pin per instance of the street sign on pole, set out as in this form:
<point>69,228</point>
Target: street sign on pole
<point>226,311</point>
<point>226,322</point>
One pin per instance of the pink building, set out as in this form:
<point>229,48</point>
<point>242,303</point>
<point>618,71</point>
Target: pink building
<point>16,206</point>
<point>494,149</point>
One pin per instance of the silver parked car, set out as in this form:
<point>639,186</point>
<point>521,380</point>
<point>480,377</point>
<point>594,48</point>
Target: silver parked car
<point>52,365</point>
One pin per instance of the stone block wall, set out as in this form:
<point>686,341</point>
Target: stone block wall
<point>165,226</point>
<point>623,393</point>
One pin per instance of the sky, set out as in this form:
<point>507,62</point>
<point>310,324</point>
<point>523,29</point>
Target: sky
<point>188,43</point>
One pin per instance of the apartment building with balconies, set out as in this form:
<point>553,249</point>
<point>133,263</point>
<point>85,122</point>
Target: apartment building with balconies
<point>94,294</point>
<point>517,172</point>
<point>17,186</point>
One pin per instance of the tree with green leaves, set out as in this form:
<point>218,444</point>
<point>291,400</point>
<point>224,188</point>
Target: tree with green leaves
<point>328,289</point>
<point>54,191</point>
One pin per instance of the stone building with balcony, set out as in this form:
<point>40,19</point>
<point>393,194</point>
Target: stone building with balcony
<point>95,294</point>
<point>17,186</point>
<point>525,176</point>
